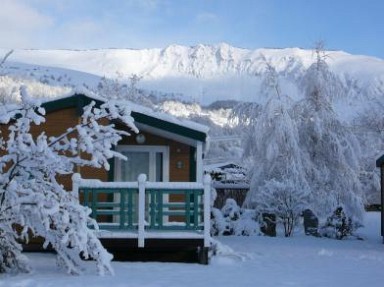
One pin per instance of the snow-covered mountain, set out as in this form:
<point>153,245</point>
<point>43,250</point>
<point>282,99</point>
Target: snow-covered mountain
<point>201,73</point>
<point>185,78</point>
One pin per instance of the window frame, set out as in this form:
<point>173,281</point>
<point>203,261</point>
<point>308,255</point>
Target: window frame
<point>152,150</point>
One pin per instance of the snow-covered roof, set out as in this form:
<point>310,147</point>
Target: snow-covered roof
<point>168,118</point>
<point>221,166</point>
<point>230,175</point>
<point>141,115</point>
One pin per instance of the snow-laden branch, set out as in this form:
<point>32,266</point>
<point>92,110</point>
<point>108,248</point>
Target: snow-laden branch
<point>31,195</point>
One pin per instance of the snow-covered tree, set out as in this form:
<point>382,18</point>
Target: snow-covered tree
<point>277,163</point>
<point>332,148</point>
<point>31,196</point>
<point>284,199</point>
<point>120,89</point>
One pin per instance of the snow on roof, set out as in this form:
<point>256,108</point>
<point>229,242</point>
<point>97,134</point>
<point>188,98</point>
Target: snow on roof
<point>168,118</point>
<point>76,91</point>
<point>222,165</point>
<point>139,109</point>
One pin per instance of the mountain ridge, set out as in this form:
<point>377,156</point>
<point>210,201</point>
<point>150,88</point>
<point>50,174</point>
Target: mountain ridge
<point>204,73</point>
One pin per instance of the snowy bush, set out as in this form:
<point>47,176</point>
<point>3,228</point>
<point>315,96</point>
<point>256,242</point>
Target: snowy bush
<point>247,224</point>
<point>233,220</point>
<point>219,224</point>
<point>283,199</point>
<point>339,225</point>
<point>30,195</point>
<point>231,210</point>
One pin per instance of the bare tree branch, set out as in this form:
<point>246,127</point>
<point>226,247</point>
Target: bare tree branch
<point>5,58</point>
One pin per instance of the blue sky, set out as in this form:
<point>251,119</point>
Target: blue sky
<point>355,26</point>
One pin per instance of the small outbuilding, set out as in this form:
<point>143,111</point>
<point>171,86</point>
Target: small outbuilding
<point>380,164</point>
<point>230,181</point>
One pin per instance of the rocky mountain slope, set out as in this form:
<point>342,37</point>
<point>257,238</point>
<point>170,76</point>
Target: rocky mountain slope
<point>202,74</point>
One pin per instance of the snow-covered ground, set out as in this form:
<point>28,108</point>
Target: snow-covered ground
<point>255,261</point>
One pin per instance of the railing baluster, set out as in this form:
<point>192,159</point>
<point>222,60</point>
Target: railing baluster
<point>94,207</point>
<point>187,196</point>
<point>129,213</point>
<point>195,209</point>
<point>159,209</point>
<point>122,209</point>
<point>152,208</point>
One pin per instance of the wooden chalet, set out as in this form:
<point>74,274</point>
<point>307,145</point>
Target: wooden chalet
<point>380,164</point>
<point>157,201</point>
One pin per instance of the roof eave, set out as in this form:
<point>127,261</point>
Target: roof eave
<point>81,100</point>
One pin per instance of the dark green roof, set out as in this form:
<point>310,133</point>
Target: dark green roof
<point>80,100</point>
<point>77,100</point>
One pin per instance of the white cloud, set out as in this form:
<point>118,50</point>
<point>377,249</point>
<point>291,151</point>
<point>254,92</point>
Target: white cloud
<point>82,33</point>
<point>20,24</point>
<point>207,18</point>
<point>144,4</point>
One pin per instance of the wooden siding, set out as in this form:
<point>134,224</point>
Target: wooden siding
<point>178,152</point>
<point>57,122</point>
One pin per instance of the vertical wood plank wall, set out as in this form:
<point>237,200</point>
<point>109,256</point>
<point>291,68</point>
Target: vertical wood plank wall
<point>59,121</point>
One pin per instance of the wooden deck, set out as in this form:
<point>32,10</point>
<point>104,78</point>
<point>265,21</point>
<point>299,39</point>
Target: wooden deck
<point>160,250</point>
<point>139,220</point>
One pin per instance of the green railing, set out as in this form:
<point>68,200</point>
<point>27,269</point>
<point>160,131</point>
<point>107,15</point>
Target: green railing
<point>117,208</point>
<point>181,215</point>
<point>113,209</point>
<point>143,208</point>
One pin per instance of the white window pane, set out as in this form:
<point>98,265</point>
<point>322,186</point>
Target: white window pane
<point>136,163</point>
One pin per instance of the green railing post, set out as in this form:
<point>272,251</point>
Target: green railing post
<point>160,207</point>
<point>122,209</point>
<point>130,211</point>
<point>86,195</point>
<point>152,208</point>
<point>94,203</point>
<point>187,209</point>
<point>195,209</point>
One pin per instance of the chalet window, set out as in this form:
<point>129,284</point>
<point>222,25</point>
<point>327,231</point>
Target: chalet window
<point>150,160</point>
